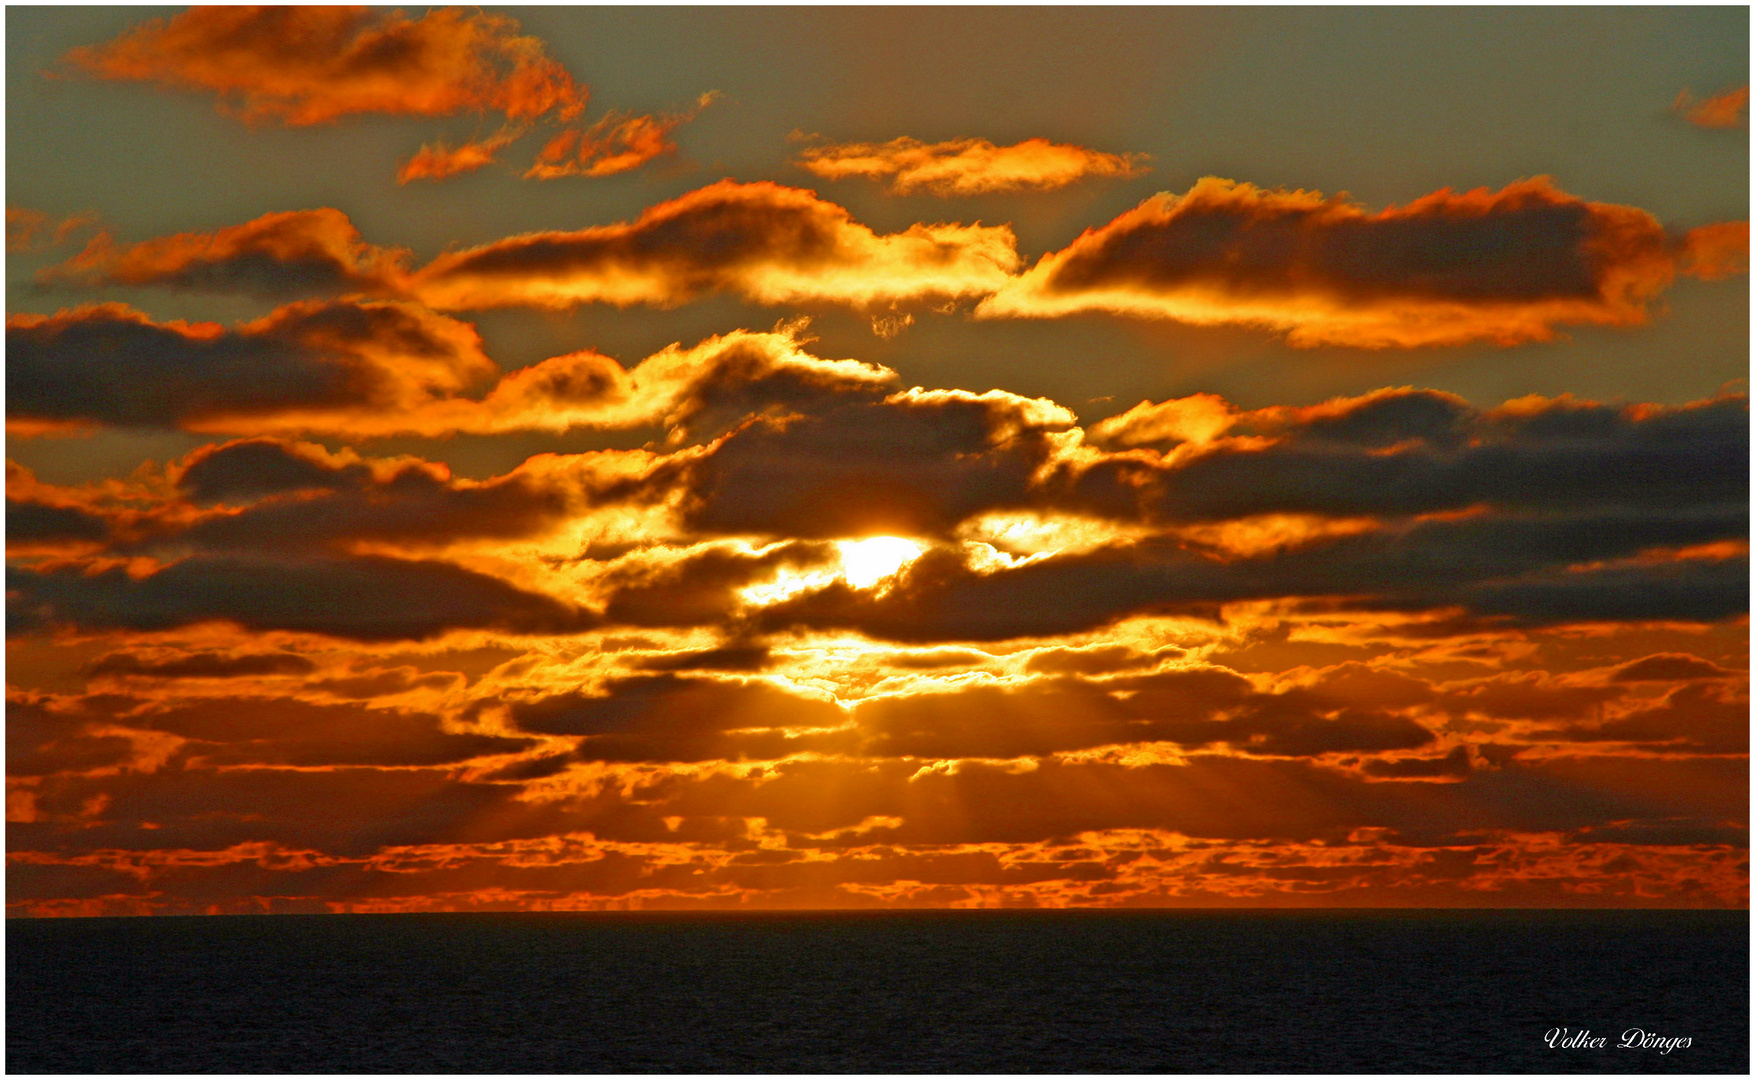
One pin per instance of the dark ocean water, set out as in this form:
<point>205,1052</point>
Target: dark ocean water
<point>1165,992</point>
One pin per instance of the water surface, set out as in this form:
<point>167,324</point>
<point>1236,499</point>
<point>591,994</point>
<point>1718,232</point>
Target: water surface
<point>1064,992</point>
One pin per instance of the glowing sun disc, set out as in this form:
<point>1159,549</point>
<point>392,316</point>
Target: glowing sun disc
<point>867,562</point>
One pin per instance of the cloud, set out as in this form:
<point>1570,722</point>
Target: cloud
<point>701,588</point>
<point>1194,708</point>
<point>968,166</point>
<point>369,369</point>
<point>1697,716</point>
<point>298,496</point>
<point>746,658</point>
<point>285,731</point>
<point>1511,571</point>
<point>336,812</point>
<point>684,718</point>
<point>295,253</point>
<point>203,665</point>
<point>364,598</point>
<point>435,161</point>
<point>114,365</point>
<point>1504,267</point>
<point>915,463</point>
<point>1251,828</point>
<point>30,230</point>
<point>32,522</point>
<point>1454,765</point>
<point>1722,110</point>
<point>761,241</point>
<point>696,393</point>
<point>619,142</point>
<point>1407,452</point>
<point>1717,251</point>
<point>1507,267</point>
<point>1537,512</point>
<point>1667,667</point>
<point>311,65</point>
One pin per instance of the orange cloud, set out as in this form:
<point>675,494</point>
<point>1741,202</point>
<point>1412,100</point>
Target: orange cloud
<point>1717,251</point>
<point>969,166</point>
<point>1724,110</point>
<point>435,161</point>
<point>768,243</point>
<point>1504,267</point>
<point>310,65</point>
<point>620,142</point>
<point>299,252</point>
<point>33,230</point>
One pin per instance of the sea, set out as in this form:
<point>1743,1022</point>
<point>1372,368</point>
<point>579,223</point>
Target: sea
<point>1330,991</point>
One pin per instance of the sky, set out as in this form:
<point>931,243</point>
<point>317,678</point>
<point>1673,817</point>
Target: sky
<point>560,459</point>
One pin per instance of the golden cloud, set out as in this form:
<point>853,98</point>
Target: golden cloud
<point>968,166</point>
<point>768,243</point>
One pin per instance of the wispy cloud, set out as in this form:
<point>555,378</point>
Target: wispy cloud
<point>619,142</point>
<point>435,161</point>
<point>1722,110</point>
<point>968,166</point>
<point>311,65</point>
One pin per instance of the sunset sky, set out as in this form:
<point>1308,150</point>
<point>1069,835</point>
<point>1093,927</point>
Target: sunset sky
<point>552,458</point>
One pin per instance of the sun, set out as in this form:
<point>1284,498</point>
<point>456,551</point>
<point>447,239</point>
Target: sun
<point>866,562</point>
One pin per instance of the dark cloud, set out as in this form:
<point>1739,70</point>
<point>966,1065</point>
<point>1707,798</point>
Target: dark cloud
<point>41,740</point>
<point>284,731</point>
<point>913,465</point>
<point>1667,833</point>
<point>1668,667</point>
<point>1510,569</point>
<point>202,665</point>
<point>1690,590</point>
<point>1094,661</point>
<point>113,365</point>
<point>699,589</point>
<point>692,718</point>
<point>749,658</point>
<point>249,469</point>
<point>1698,717</point>
<point>1211,796</point>
<point>366,598</point>
<point>684,718</point>
<point>384,683</point>
<point>347,811</point>
<point>931,659</point>
<point>304,498</point>
<point>1454,765</point>
<point>1503,267</point>
<point>33,521</point>
<point>1419,452</point>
